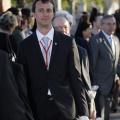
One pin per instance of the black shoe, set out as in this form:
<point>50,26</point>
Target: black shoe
<point>114,110</point>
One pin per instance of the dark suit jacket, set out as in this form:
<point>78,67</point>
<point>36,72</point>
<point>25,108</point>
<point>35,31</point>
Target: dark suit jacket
<point>104,63</point>
<point>4,43</point>
<point>82,42</point>
<point>85,71</point>
<point>11,105</point>
<point>63,76</point>
<point>22,88</point>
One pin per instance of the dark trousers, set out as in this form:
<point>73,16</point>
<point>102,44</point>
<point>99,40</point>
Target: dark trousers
<point>52,112</point>
<point>103,105</point>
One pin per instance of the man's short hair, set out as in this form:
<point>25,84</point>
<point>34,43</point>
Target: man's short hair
<point>43,1</point>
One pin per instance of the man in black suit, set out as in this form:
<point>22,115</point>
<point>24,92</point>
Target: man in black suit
<point>13,105</point>
<point>53,75</point>
<point>62,25</point>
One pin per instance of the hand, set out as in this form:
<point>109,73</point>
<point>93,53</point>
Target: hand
<point>93,116</point>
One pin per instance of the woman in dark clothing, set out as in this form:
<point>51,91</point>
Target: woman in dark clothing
<point>95,19</point>
<point>84,28</point>
<point>8,22</point>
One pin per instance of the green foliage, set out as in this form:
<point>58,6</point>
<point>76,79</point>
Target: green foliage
<point>14,3</point>
<point>97,2</point>
<point>65,5</point>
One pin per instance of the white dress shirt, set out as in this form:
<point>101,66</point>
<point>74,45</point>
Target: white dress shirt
<point>50,36</point>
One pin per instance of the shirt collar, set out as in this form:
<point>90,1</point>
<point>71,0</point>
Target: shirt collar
<point>49,35</point>
<point>106,35</point>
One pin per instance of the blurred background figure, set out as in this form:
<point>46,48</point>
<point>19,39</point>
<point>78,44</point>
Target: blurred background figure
<point>30,20</point>
<point>95,19</point>
<point>77,19</point>
<point>18,33</point>
<point>8,22</point>
<point>117,17</point>
<point>65,14</point>
<point>116,92</point>
<point>79,41</point>
<point>84,28</point>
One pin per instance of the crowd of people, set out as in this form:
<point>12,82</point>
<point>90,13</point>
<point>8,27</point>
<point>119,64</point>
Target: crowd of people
<point>48,66</point>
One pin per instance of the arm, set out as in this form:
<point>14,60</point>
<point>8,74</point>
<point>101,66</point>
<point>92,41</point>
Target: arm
<point>94,50</point>
<point>76,81</point>
<point>11,106</point>
<point>22,89</point>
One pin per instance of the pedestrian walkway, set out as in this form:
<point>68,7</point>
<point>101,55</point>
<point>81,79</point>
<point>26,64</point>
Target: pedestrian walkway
<point>115,116</point>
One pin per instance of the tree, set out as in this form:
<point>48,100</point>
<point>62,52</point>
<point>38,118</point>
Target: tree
<point>21,3</point>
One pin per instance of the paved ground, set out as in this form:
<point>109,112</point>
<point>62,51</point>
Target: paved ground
<point>115,116</point>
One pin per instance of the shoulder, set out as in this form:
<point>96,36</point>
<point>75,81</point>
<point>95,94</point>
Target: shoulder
<point>81,49</point>
<point>96,38</point>
<point>61,35</point>
<point>29,39</point>
<point>62,38</point>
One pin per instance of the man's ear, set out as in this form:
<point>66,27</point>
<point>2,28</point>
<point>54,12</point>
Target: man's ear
<point>70,24</point>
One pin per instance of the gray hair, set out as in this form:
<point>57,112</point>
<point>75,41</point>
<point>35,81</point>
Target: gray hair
<point>106,17</point>
<point>65,14</point>
<point>8,20</point>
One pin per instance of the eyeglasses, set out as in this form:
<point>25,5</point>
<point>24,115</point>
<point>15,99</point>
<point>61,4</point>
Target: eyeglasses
<point>60,27</point>
<point>110,24</point>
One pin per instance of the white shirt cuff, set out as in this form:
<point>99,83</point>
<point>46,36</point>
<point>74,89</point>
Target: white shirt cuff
<point>83,118</point>
<point>99,118</point>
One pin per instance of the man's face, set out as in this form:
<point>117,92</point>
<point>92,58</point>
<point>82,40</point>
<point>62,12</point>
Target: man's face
<point>43,13</point>
<point>62,25</point>
<point>98,22</point>
<point>109,25</point>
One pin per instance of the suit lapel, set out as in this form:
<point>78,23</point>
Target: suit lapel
<point>106,43</point>
<point>37,49</point>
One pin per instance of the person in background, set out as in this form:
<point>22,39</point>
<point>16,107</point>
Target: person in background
<point>30,20</point>
<point>84,28</point>
<point>95,19</point>
<point>105,64</point>
<point>79,41</point>
<point>8,22</point>
<point>18,33</point>
<point>116,92</point>
<point>65,14</point>
<point>61,24</point>
<point>55,93</point>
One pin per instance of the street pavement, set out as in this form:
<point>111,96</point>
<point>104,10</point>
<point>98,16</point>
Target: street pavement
<point>115,116</point>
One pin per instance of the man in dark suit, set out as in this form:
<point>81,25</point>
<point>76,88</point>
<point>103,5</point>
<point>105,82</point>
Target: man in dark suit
<point>13,106</point>
<point>105,52</point>
<point>61,24</point>
<point>55,87</point>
